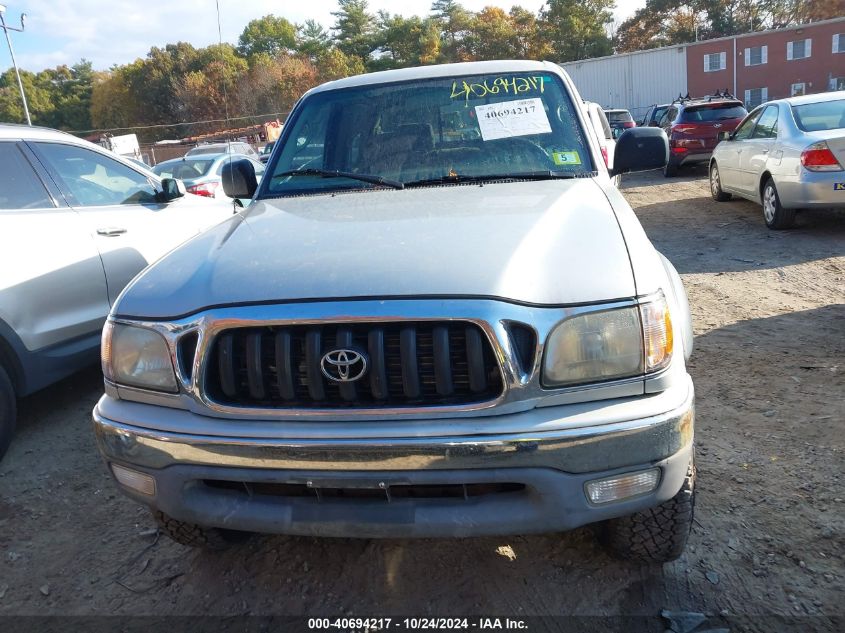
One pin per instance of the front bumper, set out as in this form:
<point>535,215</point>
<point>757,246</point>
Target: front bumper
<point>535,480</point>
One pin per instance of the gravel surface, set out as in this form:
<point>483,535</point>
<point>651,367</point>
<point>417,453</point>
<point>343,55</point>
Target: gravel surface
<point>769,369</point>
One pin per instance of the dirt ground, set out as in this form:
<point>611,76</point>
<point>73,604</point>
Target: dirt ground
<point>769,370</point>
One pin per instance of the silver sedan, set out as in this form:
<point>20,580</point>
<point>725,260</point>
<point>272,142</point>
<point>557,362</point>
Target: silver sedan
<point>786,154</point>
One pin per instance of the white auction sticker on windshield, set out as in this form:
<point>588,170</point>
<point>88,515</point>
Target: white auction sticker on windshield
<point>512,118</point>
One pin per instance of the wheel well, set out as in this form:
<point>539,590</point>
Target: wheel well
<point>766,175</point>
<point>9,362</point>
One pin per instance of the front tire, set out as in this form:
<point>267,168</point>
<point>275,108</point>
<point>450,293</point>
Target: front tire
<point>8,411</point>
<point>194,535</point>
<point>670,169</point>
<point>654,535</point>
<point>774,214</point>
<point>716,185</point>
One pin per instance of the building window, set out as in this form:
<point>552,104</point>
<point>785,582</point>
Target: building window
<point>755,96</point>
<point>839,43</point>
<point>756,55</point>
<point>714,62</point>
<point>799,49</point>
<point>796,90</point>
<point>836,83</point>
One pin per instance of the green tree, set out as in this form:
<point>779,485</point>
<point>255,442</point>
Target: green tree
<point>491,35</point>
<point>575,29</point>
<point>39,98</point>
<point>335,64</point>
<point>312,40</point>
<point>112,102</point>
<point>454,22</point>
<point>354,28</point>
<point>271,35</point>
<point>403,42</point>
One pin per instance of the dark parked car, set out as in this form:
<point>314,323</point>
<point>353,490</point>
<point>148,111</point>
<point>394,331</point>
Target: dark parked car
<point>620,120</point>
<point>693,126</point>
<point>264,156</point>
<point>654,114</point>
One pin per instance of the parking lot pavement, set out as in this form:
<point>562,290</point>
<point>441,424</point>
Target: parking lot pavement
<point>769,368</point>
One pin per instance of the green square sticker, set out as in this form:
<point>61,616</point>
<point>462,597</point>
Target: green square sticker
<point>566,158</point>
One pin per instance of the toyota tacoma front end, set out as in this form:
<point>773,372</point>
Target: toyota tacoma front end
<point>438,317</point>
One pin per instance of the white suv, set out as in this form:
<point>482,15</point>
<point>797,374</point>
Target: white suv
<point>77,223</point>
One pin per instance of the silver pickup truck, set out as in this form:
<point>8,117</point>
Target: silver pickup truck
<point>437,317</point>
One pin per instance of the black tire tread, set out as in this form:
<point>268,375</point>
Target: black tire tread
<point>784,218</point>
<point>721,196</point>
<point>191,534</point>
<point>655,535</point>
<point>670,169</point>
<point>8,411</point>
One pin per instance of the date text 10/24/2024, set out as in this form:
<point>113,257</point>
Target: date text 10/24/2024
<point>415,624</point>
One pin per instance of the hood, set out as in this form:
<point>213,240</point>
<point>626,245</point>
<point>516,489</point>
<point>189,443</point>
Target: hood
<point>548,242</point>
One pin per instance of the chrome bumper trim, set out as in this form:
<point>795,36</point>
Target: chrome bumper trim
<point>579,450</point>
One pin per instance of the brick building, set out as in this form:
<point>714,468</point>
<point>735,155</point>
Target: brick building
<point>755,67</point>
<point>770,64</point>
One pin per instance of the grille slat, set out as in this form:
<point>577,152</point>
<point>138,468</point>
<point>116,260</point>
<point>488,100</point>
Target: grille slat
<point>378,371</point>
<point>284,366</point>
<point>475,361</point>
<point>226,366</point>
<point>313,373</point>
<point>254,366</point>
<point>442,364</point>
<point>410,369</point>
<point>410,364</point>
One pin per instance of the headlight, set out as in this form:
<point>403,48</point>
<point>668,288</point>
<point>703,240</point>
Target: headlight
<point>137,357</point>
<point>609,345</point>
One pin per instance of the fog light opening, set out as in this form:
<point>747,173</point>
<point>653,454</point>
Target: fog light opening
<point>624,486</point>
<point>134,480</point>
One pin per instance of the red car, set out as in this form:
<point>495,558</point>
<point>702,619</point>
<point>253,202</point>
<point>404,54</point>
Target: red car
<point>693,126</point>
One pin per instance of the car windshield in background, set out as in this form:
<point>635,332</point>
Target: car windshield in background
<point>618,117</point>
<point>445,129</point>
<point>184,170</point>
<point>817,117</point>
<point>712,112</point>
<point>211,149</point>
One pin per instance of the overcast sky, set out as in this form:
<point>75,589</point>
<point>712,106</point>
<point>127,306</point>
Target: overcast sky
<point>118,31</point>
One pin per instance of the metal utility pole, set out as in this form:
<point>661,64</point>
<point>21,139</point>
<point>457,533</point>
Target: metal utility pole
<point>6,30</point>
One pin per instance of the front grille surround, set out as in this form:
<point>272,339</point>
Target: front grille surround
<point>499,320</point>
<point>409,364</point>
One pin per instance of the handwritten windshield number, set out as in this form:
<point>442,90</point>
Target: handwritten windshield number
<point>499,85</point>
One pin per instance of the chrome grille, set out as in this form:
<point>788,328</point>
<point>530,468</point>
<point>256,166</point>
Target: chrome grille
<point>409,364</point>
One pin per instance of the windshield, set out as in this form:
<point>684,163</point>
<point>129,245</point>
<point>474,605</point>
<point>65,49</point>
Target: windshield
<point>714,112</point>
<point>619,116</point>
<point>445,128</point>
<point>184,170</point>
<point>817,117</point>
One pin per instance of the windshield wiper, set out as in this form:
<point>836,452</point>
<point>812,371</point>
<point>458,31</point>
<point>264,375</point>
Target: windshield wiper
<point>333,173</point>
<point>526,175</point>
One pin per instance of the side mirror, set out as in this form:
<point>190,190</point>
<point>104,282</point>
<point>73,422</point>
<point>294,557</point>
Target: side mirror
<point>172,188</point>
<point>725,136</point>
<point>640,149</point>
<point>239,179</point>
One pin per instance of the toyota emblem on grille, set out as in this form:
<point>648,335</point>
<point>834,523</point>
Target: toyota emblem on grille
<point>343,365</point>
